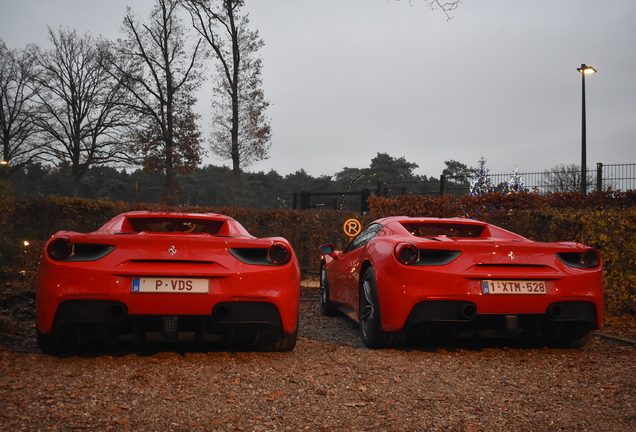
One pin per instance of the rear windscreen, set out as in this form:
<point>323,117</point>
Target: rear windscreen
<point>176,225</point>
<point>421,229</point>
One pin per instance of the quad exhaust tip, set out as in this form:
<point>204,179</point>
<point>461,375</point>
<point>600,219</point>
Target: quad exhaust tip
<point>116,311</point>
<point>555,311</point>
<point>221,312</point>
<point>468,311</point>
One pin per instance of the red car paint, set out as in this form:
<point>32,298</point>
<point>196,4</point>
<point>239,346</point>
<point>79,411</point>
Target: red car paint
<point>85,283</point>
<point>437,285</point>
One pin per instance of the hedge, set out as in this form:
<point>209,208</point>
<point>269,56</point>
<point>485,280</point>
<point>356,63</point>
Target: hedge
<point>604,220</point>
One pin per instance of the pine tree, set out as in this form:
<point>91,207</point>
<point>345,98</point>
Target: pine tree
<point>515,184</point>
<point>482,183</point>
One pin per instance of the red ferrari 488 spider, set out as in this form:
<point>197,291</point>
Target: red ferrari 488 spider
<point>167,277</point>
<point>450,278</point>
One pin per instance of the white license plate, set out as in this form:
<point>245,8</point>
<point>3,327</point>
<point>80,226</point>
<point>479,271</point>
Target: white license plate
<point>170,285</point>
<point>513,287</point>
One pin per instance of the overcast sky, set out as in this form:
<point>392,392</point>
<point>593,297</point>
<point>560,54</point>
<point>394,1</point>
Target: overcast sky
<point>350,78</point>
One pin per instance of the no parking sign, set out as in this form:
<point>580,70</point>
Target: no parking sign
<point>352,227</point>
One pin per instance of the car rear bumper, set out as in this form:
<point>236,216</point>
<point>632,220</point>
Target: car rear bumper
<point>113,318</point>
<point>450,320</point>
<point>109,298</point>
<point>466,312</point>
<point>452,297</point>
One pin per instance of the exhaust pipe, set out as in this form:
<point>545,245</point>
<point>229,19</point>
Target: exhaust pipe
<point>468,311</point>
<point>221,312</point>
<point>555,311</point>
<point>117,311</point>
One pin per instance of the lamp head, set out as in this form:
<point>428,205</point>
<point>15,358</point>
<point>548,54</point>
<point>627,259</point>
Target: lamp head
<point>585,69</point>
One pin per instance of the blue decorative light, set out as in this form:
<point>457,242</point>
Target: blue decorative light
<point>515,184</point>
<point>482,183</point>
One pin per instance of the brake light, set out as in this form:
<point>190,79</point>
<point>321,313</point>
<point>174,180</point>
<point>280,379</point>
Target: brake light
<point>59,249</point>
<point>586,260</point>
<point>591,258</point>
<point>279,254</point>
<point>406,253</point>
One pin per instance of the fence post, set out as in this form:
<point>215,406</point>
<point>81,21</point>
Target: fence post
<point>305,200</point>
<point>442,185</point>
<point>379,189</point>
<point>599,177</point>
<point>364,196</point>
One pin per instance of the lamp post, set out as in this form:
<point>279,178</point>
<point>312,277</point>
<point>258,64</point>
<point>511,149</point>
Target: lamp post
<point>4,164</point>
<point>584,70</point>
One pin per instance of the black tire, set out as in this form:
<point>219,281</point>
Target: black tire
<point>371,330</point>
<point>59,341</point>
<point>571,337</point>
<point>46,342</point>
<point>326,307</point>
<point>281,342</point>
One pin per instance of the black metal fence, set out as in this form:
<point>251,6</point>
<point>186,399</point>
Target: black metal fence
<point>568,179</point>
<point>604,177</point>
<point>353,201</point>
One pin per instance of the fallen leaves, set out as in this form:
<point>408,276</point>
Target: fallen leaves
<point>123,422</point>
<point>355,404</point>
<point>323,385</point>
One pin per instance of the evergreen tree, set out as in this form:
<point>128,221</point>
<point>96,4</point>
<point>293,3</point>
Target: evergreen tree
<point>482,183</point>
<point>515,184</point>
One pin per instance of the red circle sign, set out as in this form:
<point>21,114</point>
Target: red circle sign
<point>352,227</point>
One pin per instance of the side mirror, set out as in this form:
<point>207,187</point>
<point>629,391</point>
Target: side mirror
<point>327,249</point>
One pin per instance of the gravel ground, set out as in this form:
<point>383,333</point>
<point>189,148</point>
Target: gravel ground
<point>329,382</point>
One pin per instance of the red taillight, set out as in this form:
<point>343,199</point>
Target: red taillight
<point>59,249</point>
<point>279,254</point>
<point>591,258</point>
<point>406,253</point>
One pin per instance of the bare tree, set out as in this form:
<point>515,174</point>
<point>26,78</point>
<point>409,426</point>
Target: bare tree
<point>241,131</point>
<point>185,153</point>
<point>16,109</point>
<point>446,6</point>
<point>161,73</point>
<point>564,178</point>
<point>79,111</point>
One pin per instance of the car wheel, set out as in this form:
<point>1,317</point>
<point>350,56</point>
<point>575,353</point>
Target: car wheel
<point>371,330</point>
<point>573,337</point>
<point>281,342</point>
<point>46,342</point>
<point>326,307</point>
<point>59,341</point>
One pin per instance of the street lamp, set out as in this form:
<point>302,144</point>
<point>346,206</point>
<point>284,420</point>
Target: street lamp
<point>584,70</point>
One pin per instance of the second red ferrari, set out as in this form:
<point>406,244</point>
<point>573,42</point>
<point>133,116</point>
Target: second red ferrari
<point>449,278</point>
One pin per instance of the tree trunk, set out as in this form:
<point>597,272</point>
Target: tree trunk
<point>236,60</point>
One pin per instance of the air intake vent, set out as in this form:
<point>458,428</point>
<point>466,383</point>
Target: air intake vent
<point>436,257</point>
